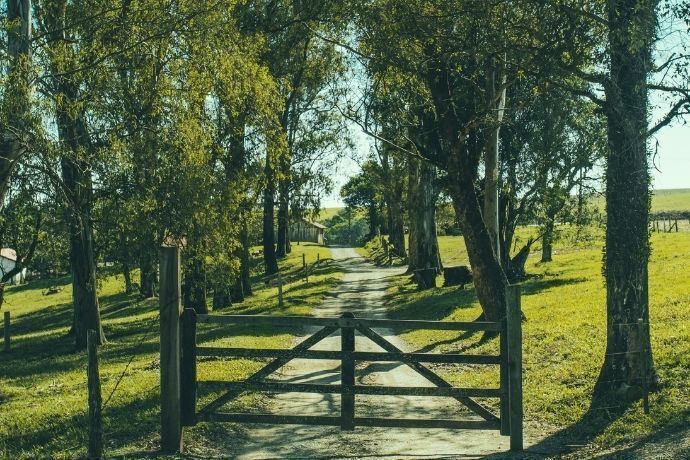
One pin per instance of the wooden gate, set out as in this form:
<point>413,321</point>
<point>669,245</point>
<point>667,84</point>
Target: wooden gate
<point>179,381</point>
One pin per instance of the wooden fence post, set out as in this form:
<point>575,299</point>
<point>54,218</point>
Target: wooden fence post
<point>170,309</point>
<point>645,364</point>
<point>505,384</point>
<point>514,339</point>
<point>95,450</point>
<point>188,369</point>
<point>347,377</point>
<point>6,330</point>
<point>304,267</point>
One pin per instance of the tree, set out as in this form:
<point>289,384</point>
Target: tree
<point>16,122</point>
<point>361,192</point>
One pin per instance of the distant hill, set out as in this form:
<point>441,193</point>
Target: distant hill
<point>676,199</point>
<point>327,213</point>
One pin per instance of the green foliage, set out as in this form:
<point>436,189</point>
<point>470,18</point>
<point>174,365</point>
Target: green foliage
<point>346,227</point>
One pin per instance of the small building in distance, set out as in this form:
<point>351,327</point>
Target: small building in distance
<point>304,230</point>
<point>8,260</point>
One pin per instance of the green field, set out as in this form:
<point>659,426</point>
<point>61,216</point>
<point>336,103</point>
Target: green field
<point>43,381</point>
<point>677,199</point>
<point>564,338</point>
<point>671,200</point>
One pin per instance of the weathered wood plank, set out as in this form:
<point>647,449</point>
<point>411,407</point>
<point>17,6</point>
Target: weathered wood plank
<point>514,336</point>
<point>347,377</point>
<point>95,450</point>
<point>170,310</point>
<point>379,390</point>
<point>358,421</point>
<point>427,423</point>
<point>188,369</point>
<point>288,321</point>
<point>357,355</point>
<point>270,418</point>
<point>504,372</point>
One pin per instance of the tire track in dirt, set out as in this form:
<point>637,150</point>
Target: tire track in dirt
<point>362,292</point>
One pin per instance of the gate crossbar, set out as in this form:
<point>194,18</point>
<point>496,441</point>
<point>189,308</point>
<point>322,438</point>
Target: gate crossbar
<point>348,322</point>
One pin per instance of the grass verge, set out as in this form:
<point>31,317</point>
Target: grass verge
<point>564,339</point>
<point>43,380</point>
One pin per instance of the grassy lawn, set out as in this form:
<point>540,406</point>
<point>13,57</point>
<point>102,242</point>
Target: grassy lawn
<point>43,380</point>
<point>564,336</point>
<point>677,199</point>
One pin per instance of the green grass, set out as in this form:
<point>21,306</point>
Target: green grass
<point>43,380</point>
<point>677,199</point>
<point>671,200</point>
<point>564,335</point>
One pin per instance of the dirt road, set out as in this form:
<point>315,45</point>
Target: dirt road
<point>361,292</point>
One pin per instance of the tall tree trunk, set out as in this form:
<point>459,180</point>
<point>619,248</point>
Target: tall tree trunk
<point>17,91</point>
<point>547,239</point>
<point>83,266</point>
<point>125,262</point>
<point>148,273</point>
<point>462,153</point>
<point>495,94</point>
<point>75,162</point>
<point>489,278</point>
<point>245,260</point>
<point>270,259</point>
<point>632,26</point>
<point>194,294</point>
<point>426,264</point>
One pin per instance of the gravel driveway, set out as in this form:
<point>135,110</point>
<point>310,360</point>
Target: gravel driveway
<point>361,292</point>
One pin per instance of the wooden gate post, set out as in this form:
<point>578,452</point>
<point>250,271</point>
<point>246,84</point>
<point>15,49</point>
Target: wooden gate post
<point>170,309</point>
<point>504,382</point>
<point>188,369</point>
<point>95,450</point>
<point>514,339</point>
<point>347,376</point>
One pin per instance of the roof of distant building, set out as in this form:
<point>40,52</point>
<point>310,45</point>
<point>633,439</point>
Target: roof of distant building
<point>9,254</point>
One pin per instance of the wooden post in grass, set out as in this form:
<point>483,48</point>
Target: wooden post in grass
<point>95,450</point>
<point>188,369</point>
<point>170,309</point>
<point>318,258</point>
<point>347,377</point>
<point>304,266</point>
<point>504,382</point>
<point>514,339</point>
<point>6,330</point>
<point>645,364</point>
<point>280,290</point>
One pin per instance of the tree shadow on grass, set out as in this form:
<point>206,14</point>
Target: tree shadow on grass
<point>571,439</point>
<point>442,302</point>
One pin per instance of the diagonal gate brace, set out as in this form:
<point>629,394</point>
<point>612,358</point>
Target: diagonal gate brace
<point>268,370</point>
<point>427,373</point>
